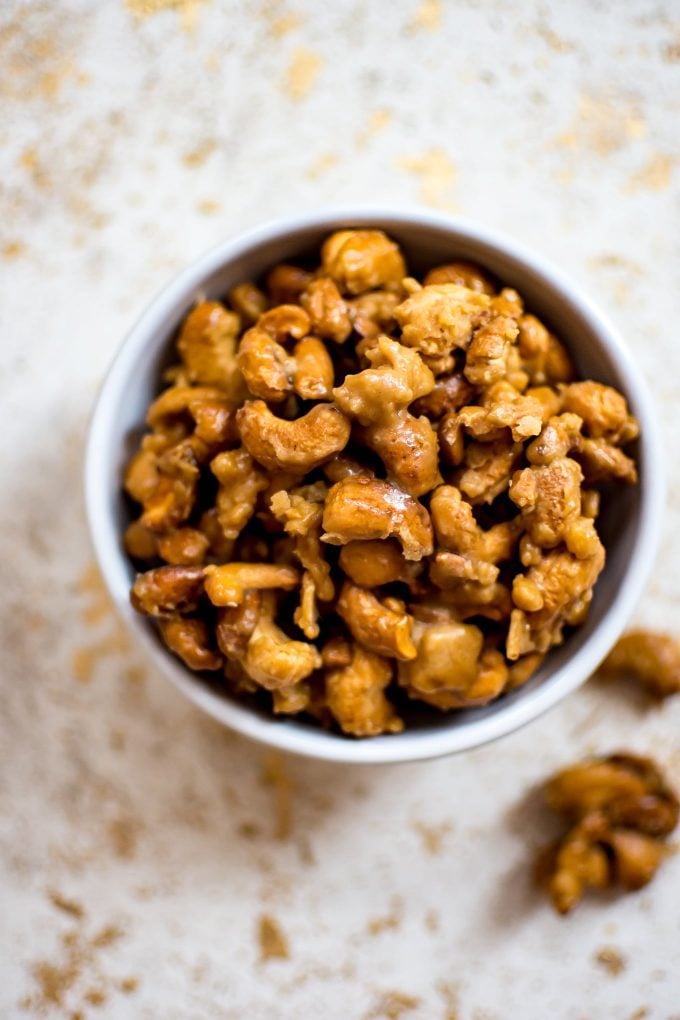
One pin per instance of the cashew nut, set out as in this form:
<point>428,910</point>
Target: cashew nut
<point>299,445</point>
<point>374,624</point>
<point>366,508</point>
<point>226,585</point>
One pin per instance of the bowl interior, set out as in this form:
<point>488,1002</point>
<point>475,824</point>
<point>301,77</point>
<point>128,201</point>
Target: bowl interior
<point>135,380</point>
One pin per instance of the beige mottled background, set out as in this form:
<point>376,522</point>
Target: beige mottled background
<point>146,852</point>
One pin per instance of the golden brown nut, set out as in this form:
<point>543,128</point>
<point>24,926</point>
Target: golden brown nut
<point>139,542</point>
<point>560,435</point>
<point>602,462</point>
<point>300,512</point>
<point>441,317</point>
<point>292,700</point>
<point>265,365</point>
<point>366,508</point>
<point>313,375</point>
<point>227,584</point>
<point>448,656</point>
<point>619,806</point>
<point>397,377</point>
<point>235,625</point>
<point>486,361</point>
<point>173,498</point>
<point>565,584</point>
<point>328,313</point>
<point>272,659</point>
<point>299,445</point>
<point>604,411</point>
<point>204,408</point>
<point>240,481</point>
<point>374,563</point>
<point>651,657</point>
<point>450,393</point>
<point>207,346</point>
<point>487,470</point>
<point>507,302</point>
<point>248,301</point>
<point>472,553</point>
<point>221,548</point>
<point>549,498</point>
<point>360,260</point>
<point>355,695</point>
<point>186,546</point>
<point>466,274</point>
<point>376,626</point>
<point>285,283</point>
<point>189,638</point>
<point>409,449</point>
<point>166,591</point>
<point>373,313</point>
<point>502,407</point>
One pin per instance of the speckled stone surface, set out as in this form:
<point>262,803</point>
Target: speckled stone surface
<point>145,851</point>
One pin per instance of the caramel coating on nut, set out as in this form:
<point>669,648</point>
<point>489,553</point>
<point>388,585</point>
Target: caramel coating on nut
<point>240,481</point>
<point>465,274</point>
<point>366,508</point>
<point>313,373</point>
<point>650,657</point>
<point>207,346</point>
<point>189,638</point>
<point>166,591</point>
<point>374,624</point>
<point>226,585</point>
<point>441,317</point>
<point>396,378</point>
<point>361,260</point>
<point>299,445</point>
<point>273,659</point>
<point>328,313</point>
<point>619,808</point>
<point>372,564</point>
<point>355,695</point>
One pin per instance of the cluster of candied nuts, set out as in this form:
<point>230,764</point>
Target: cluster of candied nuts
<point>366,489</point>
<point>651,657</point>
<point>618,808</point>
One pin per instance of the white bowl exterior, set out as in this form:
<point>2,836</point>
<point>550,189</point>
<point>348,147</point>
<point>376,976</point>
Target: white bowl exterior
<point>632,524</point>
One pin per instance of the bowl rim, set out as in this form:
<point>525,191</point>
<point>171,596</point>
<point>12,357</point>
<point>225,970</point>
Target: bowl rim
<point>406,746</point>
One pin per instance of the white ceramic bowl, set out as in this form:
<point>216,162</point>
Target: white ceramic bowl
<point>630,521</point>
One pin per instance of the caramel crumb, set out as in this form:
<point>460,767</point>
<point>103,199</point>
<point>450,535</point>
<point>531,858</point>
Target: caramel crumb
<point>390,921</point>
<point>433,836</point>
<point>449,994</point>
<point>123,834</point>
<point>602,126</point>
<point>129,985</point>
<point>13,249</point>
<point>273,943</point>
<point>611,960</point>
<point>437,175</point>
<point>432,920</point>
<point>92,590</point>
<point>428,16</point>
<point>187,10</point>
<point>321,165</point>
<point>208,207</point>
<point>655,175</point>
<point>67,906</point>
<point>392,1005</point>
<point>377,122</point>
<point>200,154</point>
<point>275,774</point>
<point>554,41</point>
<point>302,73</point>
<point>285,23</point>
<point>109,934</point>
<point>95,997</point>
<point>54,980</point>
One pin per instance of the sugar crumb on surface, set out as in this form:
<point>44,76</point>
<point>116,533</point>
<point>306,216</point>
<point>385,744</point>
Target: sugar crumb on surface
<point>432,836</point>
<point>271,939</point>
<point>437,175</point>
<point>187,10</point>
<point>655,175</point>
<point>302,73</point>
<point>65,904</point>
<point>392,1006</point>
<point>276,776</point>
<point>428,16</point>
<point>610,959</point>
<point>389,921</point>
<point>325,162</point>
<point>377,121</point>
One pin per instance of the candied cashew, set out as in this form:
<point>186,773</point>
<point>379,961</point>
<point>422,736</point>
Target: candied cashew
<point>374,624</point>
<point>549,499</point>
<point>409,449</point>
<point>186,546</point>
<point>207,346</point>
<point>466,274</point>
<point>235,625</point>
<point>299,445</point>
<point>139,542</point>
<point>367,508</point>
<point>189,638</point>
<point>355,695</point>
<point>173,498</point>
<point>265,365</point>
<point>210,412</point>
<point>313,375</point>
<point>619,808</point>
<point>449,393</point>
<point>300,512</point>
<point>565,584</point>
<point>291,700</point>
<point>373,313</point>
<point>240,481</point>
<point>328,313</point>
<point>374,563</point>
<point>602,462</point>
<point>227,584</point>
<point>486,361</point>
<point>448,656</point>
<point>651,657</point>
<point>361,260</point>
<point>604,411</point>
<point>486,470</point>
<point>559,436</point>
<point>396,378</point>
<point>440,317</point>
<point>285,283</point>
<point>306,615</point>
<point>166,591</point>
<point>471,553</point>
<point>272,659</point>
<point>248,301</point>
